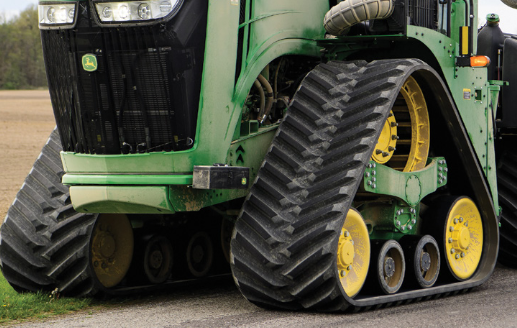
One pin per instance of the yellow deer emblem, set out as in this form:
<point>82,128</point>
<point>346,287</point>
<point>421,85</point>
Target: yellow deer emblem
<point>89,62</point>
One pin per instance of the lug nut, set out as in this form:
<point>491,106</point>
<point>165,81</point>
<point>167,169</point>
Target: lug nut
<point>462,254</point>
<point>347,233</point>
<point>466,224</point>
<point>409,227</point>
<point>413,221</point>
<point>378,151</point>
<point>393,124</point>
<point>397,223</point>
<point>369,183</point>
<point>450,240</point>
<point>367,174</point>
<point>343,273</point>
<point>451,229</point>
<point>457,256</point>
<point>461,219</point>
<point>455,221</point>
<point>349,268</point>
<point>392,148</point>
<point>385,154</point>
<point>374,186</point>
<point>453,250</point>
<point>394,137</point>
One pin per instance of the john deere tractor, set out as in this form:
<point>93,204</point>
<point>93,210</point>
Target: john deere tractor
<point>331,155</point>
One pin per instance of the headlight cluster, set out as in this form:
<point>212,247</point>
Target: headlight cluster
<point>135,10</point>
<point>56,14</point>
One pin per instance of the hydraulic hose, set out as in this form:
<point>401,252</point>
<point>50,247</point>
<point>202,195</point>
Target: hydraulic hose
<point>350,12</point>
<point>269,95</point>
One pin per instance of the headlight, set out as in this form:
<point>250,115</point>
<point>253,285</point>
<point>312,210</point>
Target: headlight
<point>135,10</point>
<point>56,15</point>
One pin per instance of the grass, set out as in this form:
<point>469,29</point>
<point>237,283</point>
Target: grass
<point>14,306</point>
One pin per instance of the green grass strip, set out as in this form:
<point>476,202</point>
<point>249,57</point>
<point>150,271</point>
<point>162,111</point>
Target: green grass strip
<point>15,306</point>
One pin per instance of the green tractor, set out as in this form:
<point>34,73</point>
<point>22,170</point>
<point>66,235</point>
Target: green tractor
<point>332,154</point>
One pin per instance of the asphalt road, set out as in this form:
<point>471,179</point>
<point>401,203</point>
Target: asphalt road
<point>493,304</point>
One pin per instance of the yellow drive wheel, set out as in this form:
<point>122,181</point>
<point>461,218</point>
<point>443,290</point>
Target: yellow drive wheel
<point>404,140</point>
<point>111,248</point>
<point>353,253</point>
<point>463,238</point>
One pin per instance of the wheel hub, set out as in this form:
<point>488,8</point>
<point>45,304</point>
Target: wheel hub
<point>425,262</point>
<point>389,267</point>
<point>107,245</point>
<point>156,259</point>
<point>198,253</point>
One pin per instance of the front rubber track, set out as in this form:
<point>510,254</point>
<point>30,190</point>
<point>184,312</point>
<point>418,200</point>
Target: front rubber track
<point>507,187</point>
<point>43,240</point>
<point>285,239</point>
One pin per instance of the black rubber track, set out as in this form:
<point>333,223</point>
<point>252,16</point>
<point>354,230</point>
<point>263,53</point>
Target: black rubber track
<point>285,239</point>
<point>43,240</point>
<point>507,185</point>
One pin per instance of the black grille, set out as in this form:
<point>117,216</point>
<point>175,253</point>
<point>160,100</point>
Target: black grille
<point>144,95</point>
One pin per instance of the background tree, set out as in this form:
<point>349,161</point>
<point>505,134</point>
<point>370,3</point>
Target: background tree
<point>21,56</point>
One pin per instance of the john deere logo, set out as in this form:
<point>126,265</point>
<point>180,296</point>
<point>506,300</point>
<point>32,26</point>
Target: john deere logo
<point>90,63</point>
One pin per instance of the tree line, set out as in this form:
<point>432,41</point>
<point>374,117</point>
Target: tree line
<point>21,56</point>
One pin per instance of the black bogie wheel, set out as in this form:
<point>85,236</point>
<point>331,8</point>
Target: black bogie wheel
<point>388,267</point>
<point>158,259</point>
<point>44,242</point>
<point>422,260</point>
<point>200,254</point>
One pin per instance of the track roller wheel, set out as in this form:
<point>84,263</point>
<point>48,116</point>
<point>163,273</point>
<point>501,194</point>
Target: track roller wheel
<point>111,248</point>
<point>423,260</point>
<point>459,231</point>
<point>353,253</point>
<point>200,254</point>
<point>158,259</point>
<point>389,266</point>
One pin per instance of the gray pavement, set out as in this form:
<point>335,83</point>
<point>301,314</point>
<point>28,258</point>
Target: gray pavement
<point>493,304</point>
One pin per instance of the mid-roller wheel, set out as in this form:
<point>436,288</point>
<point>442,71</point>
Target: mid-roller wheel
<point>158,259</point>
<point>389,266</point>
<point>200,254</point>
<point>423,260</point>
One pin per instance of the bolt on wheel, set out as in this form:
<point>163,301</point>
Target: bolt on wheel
<point>111,248</point>
<point>389,267</point>
<point>353,253</point>
<point>423,260</point>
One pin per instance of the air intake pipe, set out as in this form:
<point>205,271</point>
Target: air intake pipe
<point>350,12</point>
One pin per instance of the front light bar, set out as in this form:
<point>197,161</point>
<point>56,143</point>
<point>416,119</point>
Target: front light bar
<point>57,15</point>
<point>131,11</point>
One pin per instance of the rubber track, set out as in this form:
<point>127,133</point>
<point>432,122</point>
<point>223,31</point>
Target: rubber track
<point>44,241</point>
<point>285,238</point>
<point>507,185</point>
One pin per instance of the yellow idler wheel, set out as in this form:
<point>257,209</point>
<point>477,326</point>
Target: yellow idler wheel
<point>353,253</point>
<point>463,238</point>
<point>404,140</point>
<point>111,248</point>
